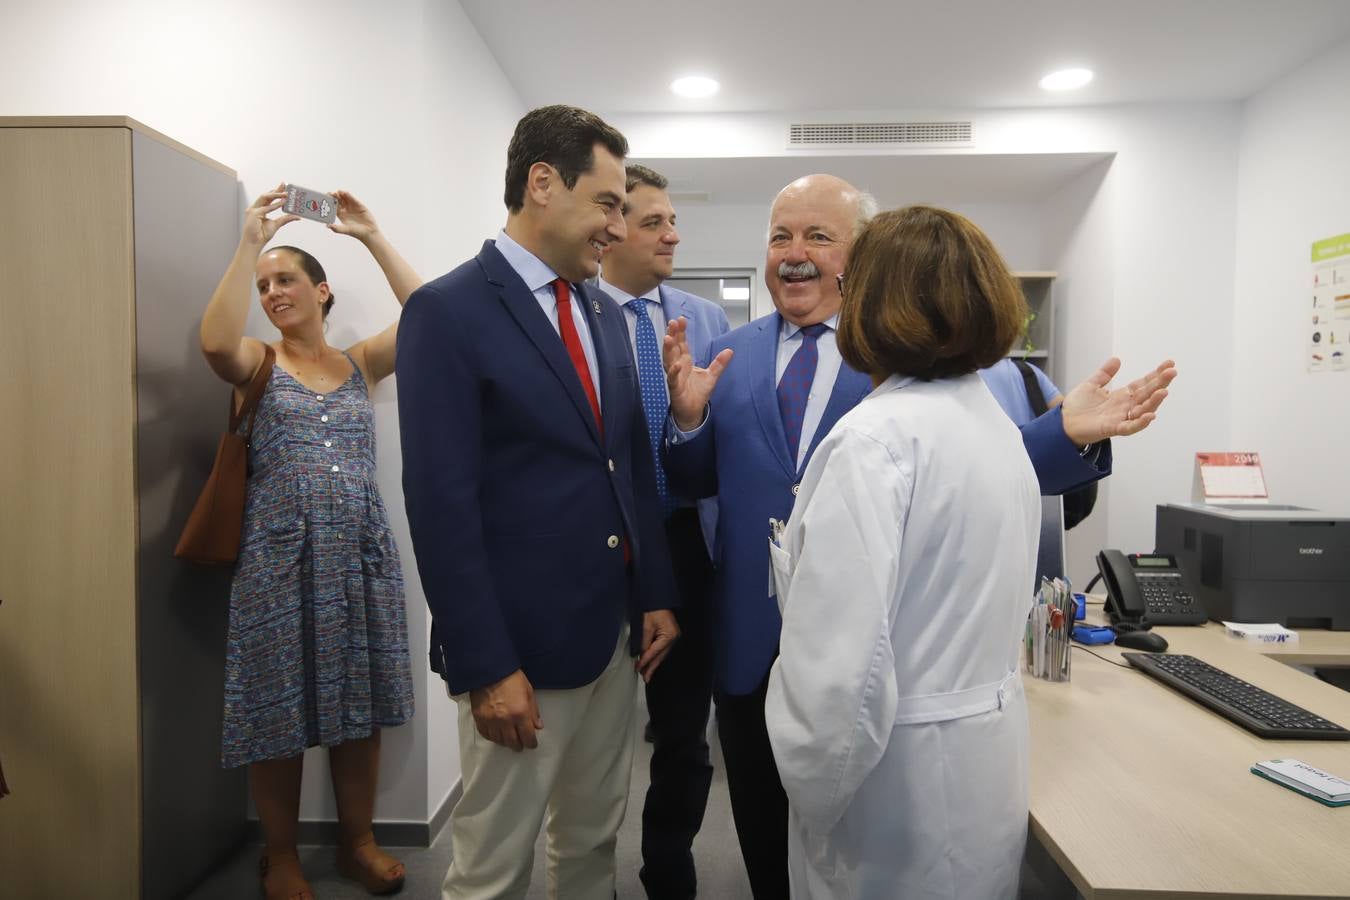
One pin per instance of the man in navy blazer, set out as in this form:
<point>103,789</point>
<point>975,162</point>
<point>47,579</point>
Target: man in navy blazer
<point>747,435</point>
<point>680,695</point>
<point>531,497</point>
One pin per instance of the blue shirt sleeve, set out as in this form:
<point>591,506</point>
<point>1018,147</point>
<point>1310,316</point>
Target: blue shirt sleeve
<point>1005,382</point>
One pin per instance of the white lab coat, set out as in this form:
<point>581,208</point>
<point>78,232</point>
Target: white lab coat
<point>895,708</point>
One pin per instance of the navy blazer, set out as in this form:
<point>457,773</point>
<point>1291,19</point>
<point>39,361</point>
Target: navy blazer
<point>741,455</point>
<point>517,504</point>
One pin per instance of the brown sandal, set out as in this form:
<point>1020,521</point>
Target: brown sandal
<point>287,879</point>
<point>378,872</point>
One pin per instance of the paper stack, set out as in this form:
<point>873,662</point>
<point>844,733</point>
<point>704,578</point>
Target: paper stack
<point>1262,634</point>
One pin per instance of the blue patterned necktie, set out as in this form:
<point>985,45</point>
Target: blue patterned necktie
<point>795,386</point>
<point>652,381</point>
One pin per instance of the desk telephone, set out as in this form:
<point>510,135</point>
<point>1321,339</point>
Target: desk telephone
<point>1148,587</point>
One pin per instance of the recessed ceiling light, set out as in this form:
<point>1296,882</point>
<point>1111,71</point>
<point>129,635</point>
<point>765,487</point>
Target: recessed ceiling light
<point>695,86</point>
<point>1066,79</point>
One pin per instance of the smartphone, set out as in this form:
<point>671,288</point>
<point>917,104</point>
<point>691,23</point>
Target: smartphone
<point>309,204</point>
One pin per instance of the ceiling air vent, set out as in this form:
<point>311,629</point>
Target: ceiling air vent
<point>945,133</point>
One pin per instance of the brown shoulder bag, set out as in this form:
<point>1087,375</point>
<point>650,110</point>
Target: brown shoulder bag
<point>211,535</point>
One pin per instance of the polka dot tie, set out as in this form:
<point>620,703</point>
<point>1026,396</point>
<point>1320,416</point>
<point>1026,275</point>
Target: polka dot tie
<point>652,381</point>
<point>795,386</point>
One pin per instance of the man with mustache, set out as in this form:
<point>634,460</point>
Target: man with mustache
<point>748,436</point>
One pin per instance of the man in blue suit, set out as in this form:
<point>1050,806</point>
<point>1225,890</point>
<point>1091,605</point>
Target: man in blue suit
<point>531,496</point>
<point>680,695</point>
<point>748,436</point>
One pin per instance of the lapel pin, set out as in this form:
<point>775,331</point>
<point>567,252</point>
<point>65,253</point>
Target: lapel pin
<point>595,305</point>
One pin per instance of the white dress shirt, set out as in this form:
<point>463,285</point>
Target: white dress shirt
<point>828,361</point>
<point>539,278</point>
<point>656,311</point>
<point>827,370</point>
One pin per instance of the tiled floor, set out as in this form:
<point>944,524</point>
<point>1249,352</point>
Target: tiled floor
<point>721,874</point>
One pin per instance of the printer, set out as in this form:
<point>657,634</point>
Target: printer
<point>1282,564</point>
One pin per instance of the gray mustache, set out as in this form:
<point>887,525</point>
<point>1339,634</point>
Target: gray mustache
<point>801,270</point>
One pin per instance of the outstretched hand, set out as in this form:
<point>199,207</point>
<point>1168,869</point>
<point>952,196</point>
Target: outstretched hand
<point>259,227</point>
<point>689,386</point>
<point>354,218</point>
<point>1092,412</point>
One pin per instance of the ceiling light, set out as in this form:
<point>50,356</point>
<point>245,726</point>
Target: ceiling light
<point>695,86</point>
<point>1066,79</point>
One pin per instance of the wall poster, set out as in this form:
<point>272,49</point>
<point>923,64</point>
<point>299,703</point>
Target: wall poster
<point>1329,331</point>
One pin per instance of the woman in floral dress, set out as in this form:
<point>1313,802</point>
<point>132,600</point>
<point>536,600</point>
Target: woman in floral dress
<point>317,651</point>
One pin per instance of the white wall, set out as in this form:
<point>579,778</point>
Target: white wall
<point>1080,239</point>
<point>1146,248</point>
<point>724,236</point>
<point>399,102</point>
<point>1293,189</point>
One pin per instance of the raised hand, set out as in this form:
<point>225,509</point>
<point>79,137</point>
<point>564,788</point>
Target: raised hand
<point>259,227</point>
<point>1091,412</point>
<point>354,218</point>
<point>689,386</point>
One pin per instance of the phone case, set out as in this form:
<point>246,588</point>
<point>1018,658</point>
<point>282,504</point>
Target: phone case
<point>309,204</point>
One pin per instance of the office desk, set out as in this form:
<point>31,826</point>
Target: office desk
<point>1138,791</point>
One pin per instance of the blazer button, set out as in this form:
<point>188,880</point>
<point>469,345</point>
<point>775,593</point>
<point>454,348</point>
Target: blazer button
<point>796,489</point>
<point>613,541</point>
<point>611,465</point>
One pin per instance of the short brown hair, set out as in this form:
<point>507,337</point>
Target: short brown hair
<point>562,136</point>
<point>640,174</point>
<point>927,295</point>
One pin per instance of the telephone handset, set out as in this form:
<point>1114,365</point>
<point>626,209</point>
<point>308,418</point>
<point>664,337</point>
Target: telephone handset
<point>1148,587</point>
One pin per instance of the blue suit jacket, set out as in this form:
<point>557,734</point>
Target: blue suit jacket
<point>513,494</point>
<point>742,456</point>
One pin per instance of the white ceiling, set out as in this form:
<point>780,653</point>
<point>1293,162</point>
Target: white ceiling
<point>897,54</point>
<point>894,180</point>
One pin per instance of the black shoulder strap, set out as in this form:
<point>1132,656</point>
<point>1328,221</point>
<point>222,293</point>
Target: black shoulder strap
<point>1034,395</point>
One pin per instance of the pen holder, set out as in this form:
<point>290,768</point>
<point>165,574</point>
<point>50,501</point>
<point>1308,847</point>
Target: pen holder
<point>1049,629</point>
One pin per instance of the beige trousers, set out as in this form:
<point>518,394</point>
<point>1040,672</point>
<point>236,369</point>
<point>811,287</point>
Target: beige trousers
<point>575,783</point>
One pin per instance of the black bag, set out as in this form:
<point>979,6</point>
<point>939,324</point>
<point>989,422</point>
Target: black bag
<point>1078,503</point>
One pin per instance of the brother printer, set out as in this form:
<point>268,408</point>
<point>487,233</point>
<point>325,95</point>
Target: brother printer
<point>1282,564</point>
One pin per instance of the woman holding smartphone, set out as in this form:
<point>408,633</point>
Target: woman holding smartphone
<point>317,652</point>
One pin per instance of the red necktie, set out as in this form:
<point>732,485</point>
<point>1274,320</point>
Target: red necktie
<point>572,341</point>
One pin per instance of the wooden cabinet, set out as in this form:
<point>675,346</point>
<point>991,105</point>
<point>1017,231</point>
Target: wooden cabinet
<point>111,651</point>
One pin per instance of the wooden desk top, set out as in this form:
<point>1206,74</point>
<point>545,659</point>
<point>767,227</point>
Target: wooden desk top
<point>1138,791</point>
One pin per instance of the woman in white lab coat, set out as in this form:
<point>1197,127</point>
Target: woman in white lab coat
<point>895,708</point>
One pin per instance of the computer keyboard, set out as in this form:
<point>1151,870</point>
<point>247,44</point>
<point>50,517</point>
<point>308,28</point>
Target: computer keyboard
<point>1256,710</point>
